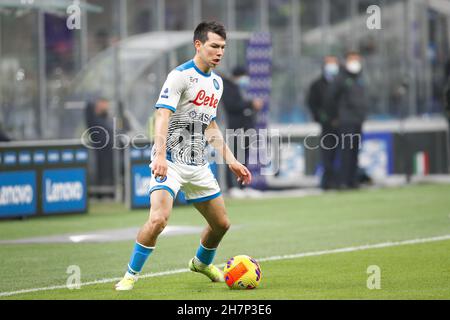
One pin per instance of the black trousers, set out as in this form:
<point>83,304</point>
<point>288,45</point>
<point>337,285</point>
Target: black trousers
<point>351,137</point>
<point>329,145</point>
<point>105,166</point>
<point>239,145</point>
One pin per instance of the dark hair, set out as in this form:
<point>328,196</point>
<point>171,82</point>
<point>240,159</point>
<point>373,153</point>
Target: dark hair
<point>330,56</point>
<point>352,53</point>
<point>239,71</point>
<point>201,32</point>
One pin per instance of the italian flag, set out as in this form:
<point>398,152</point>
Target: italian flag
<point>421,163</point>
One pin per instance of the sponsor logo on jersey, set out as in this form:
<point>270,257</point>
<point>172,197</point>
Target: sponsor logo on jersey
<point>203,117</point>
<point>193,80</point>
<point>160,179</point>
<point>216,84</point>
<point>165,93</point>
<point>205,100</point>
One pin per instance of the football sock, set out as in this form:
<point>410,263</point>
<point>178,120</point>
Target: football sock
<point>138,258</point>
<point>205,255</point>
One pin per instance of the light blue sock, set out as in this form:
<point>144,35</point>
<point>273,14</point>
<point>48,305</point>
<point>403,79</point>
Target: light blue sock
<point>138,258</point>
<point>205,255</point>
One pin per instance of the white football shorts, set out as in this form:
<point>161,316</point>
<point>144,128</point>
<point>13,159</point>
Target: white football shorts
<point>197,182</point>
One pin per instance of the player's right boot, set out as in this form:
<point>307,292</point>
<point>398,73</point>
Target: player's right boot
<point>211,271</point>
<point>127,283</point>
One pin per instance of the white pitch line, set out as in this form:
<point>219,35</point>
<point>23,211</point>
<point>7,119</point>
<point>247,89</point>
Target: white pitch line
<point>358,248</point>
<point>273,258</point>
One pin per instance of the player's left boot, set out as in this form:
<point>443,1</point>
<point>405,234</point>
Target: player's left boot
<point>211,271</point>
<point>127,283</point>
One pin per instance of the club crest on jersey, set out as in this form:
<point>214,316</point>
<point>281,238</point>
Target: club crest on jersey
<point>165,93</point>
<point>203,99</point>
<point>216,84</point>
<point>160,179</point>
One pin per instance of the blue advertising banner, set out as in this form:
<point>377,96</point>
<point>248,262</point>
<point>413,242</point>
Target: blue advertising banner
<point>64,190</point>
<point>10,158</point>
<point>140,185</point>
<point>39,157</point>
<point>377,154</point>
<point>25,157</point>
<point>81,156</point>
<point>53,156</point>
<point>17,193</point>
<point>67,156</point>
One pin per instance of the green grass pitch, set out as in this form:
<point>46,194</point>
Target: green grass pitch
<point>261,228</point>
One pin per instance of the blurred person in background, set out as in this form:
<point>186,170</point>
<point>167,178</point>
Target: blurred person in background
<point>349,95</point>
<point>447,95</point>
<point>101,132</point>
<point>3,136</point>
<point>447,91</point>
<point>240,114</point>
<point>324,111</point>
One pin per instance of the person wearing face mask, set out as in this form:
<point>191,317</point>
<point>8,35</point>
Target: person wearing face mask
<point>324,112</point>
<point>351,100</point>
<point>240,114</point>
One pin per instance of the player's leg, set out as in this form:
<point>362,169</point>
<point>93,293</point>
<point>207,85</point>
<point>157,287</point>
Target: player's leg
<point>162,194</point>
<point>161,206</point>
<point>218,224</point>
<point>215,214</point>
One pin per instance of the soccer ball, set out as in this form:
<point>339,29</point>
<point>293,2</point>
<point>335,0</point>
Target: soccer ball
<point>242,272</point>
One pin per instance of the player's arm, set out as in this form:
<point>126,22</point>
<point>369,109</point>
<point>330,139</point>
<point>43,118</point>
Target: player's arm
<point>215,138</point>
<point>159,163</point>
<point>167,103</point>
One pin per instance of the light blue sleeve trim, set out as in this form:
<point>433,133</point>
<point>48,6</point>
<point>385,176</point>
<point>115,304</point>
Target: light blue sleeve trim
<point>163,188</point>
<point>203,199</point>
<point>213,119</point>
<point>165,106</point>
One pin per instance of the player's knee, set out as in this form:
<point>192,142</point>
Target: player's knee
<point>223,226</point>
<point>158,223</point>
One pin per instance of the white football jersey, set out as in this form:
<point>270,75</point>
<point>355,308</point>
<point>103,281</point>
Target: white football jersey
<point>193,96</point>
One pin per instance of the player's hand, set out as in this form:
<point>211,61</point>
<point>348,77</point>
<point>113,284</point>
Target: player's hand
<point>242,173</point>
<point>159,167</point>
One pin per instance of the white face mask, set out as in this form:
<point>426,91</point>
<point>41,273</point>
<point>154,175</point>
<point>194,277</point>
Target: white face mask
<point>353,66</point>
<point>331,69</point>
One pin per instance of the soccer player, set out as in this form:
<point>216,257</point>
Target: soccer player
<point>184,124</point>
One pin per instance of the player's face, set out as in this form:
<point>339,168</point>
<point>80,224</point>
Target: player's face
<point>211,52</point>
